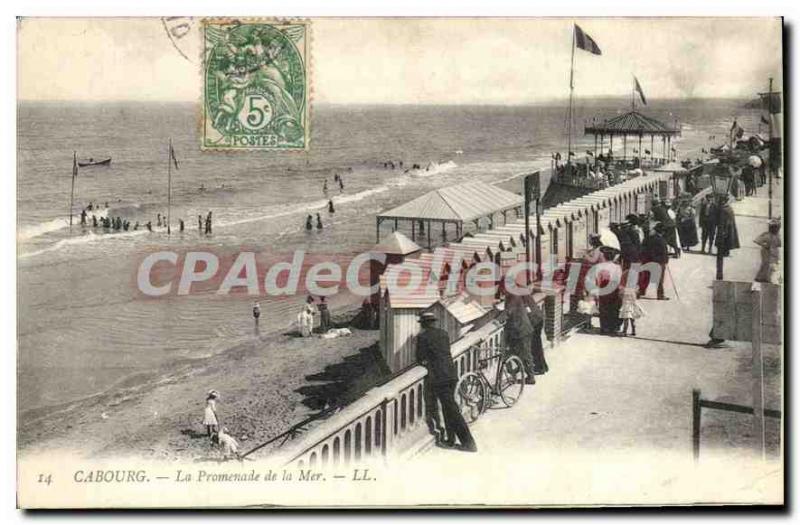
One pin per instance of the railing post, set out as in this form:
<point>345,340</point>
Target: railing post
<point>696,424</point>
<point>757,366</point>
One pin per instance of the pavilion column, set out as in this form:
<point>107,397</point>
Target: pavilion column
<point>444,231</point>
<point>429,234</point>
<point>611,143</point>
<point>395,225</point>
<point>652,147</point>
<point>625,147</point>
<point>413,229</point>
<point>640,151</point>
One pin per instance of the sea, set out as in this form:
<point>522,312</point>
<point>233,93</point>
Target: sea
<point>83,327</point>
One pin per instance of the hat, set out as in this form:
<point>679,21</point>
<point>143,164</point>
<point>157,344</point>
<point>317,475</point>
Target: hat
<point>631,217</point>
<point>775,222</point>
<point>659,227</point>
<point>427,317</point>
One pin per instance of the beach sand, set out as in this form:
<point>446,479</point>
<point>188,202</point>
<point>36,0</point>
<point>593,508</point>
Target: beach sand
<point>266,386</point>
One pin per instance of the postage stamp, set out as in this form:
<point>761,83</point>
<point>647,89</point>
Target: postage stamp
<point>255,85</point>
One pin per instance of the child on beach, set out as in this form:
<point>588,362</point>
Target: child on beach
<point>630,310</point>
<point>228,444</point>
<point>210,416</point>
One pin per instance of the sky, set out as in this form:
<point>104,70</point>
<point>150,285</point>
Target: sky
<point>417,61</point>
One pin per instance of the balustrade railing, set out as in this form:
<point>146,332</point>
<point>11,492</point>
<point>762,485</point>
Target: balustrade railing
<point>387,420</point>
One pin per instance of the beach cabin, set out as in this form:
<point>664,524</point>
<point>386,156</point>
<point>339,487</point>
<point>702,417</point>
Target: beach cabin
<point>406,290</point>
<point>457,315</point>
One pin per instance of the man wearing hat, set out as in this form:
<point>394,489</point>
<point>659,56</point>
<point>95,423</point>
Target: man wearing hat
<point>708,222</point>
<point>433,352</point>
<point>661,213</point>
<point>656,249</point>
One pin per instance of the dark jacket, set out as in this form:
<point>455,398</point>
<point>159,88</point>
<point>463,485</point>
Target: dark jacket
<point>433,352</point>
<point>727,234</point>
<point>660,214</point>
<point>656,248</point>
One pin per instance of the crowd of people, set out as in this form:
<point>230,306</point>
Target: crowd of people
<point>665,232</point>
<point>120,224</point>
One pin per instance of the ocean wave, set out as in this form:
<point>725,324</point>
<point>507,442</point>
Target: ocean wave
<point>90,237</point>
<point>32,231</point>
<point>306,207</point>
<point>434,168</point>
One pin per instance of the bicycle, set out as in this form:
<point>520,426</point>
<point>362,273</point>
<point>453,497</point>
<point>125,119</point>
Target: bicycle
<point>475,393</point>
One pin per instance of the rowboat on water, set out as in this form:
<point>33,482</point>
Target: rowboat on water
<point>92,162</point>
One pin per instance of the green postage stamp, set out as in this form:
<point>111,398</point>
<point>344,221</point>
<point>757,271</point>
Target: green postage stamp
<point>255,85</point>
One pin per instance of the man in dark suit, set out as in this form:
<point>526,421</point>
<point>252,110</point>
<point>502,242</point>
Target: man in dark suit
<point>433,352</point>
<point>657,253</point>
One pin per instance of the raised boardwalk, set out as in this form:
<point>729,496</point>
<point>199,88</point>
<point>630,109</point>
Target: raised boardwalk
<point>611,421</point>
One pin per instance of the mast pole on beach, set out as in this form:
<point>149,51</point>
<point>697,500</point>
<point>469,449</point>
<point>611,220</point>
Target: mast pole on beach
<point>169,185</point>
<point>571,89</point>
<point>72,188</point>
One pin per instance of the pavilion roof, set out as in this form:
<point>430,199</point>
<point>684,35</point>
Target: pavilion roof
<point>631,123</point>
<point>460,203</point>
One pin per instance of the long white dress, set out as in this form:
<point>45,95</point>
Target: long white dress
<point>305,321</point>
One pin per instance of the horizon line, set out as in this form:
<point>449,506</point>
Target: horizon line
<point>327,103</point>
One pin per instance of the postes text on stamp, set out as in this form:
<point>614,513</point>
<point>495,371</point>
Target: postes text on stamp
<point>255,85</point>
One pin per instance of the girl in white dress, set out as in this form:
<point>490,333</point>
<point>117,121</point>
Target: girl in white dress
<point>630,311</point>
<point>210,415</point>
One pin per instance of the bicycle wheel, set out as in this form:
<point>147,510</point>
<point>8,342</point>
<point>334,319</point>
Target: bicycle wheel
<point>511,380</point>
<point>471,396</point>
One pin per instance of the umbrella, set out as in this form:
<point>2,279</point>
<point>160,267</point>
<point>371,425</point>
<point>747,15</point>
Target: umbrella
<point>607,238</point>
<point>754,161</point>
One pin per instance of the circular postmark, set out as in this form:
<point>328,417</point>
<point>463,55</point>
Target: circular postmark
<point>255,84</point>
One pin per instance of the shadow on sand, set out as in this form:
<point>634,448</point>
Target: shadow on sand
<point>342,383</point>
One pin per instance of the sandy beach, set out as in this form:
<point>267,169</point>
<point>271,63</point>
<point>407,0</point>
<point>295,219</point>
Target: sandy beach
<point>266,386</point>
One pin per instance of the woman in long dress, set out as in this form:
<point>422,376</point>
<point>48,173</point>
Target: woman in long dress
<point>687,225</point>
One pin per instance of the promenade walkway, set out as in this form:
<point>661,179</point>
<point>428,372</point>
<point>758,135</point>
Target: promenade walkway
<point>611,421</point>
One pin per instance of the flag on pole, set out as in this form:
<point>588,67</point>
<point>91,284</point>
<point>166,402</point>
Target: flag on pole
<point>639,89</point>
<point>588,152</point>
<point>647,152</point>
<point>172,155</point>
<point>585,42</point>
<point>764,120</point>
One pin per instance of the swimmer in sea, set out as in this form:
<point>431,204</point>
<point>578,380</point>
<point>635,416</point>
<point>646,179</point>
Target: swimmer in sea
<point>330,207</point>
<point>319,222</point>
<point>309,224</point>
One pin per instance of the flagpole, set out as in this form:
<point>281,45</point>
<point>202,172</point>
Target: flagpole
<point>72,189</point>
<point>571,88</point>
<point>771,149</point>
<point>169,185</point>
